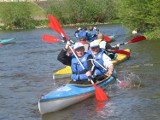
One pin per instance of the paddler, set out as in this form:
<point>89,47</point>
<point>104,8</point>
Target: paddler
<point>103,64</point>
<point>106,46</point>
<point>79,74</point>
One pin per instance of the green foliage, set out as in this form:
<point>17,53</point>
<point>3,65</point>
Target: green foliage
<point>82,11</point>
<point>17,16</point>
<point>143,15</point>
<point>57,9</point>
<point>153,35</point>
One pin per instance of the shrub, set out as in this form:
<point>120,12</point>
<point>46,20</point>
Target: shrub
<point>17,15</point>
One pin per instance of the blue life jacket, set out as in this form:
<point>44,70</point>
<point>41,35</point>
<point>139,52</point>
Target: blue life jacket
<point>82,33</point>
<point>92,35</point>
<point>78,73</point>
<point>85,34</point>
<point>98,69</point>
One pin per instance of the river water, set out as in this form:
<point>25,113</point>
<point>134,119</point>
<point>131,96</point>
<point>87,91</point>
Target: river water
<point>26,69</point>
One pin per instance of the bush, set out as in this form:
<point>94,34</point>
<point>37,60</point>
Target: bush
<point>17,15</point>
<point>83,11</point>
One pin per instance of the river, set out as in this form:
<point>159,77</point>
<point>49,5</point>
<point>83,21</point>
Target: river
<point>26,69</point>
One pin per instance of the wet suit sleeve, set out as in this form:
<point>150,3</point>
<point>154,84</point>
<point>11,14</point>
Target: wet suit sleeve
<point>108,46</point>
<point>90,64</point>
<point>64,58</point>
<point>76,33</point>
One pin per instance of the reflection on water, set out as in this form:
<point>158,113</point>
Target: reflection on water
<point>26,69</point>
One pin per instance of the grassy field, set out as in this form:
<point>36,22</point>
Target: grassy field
<point>36,10</point>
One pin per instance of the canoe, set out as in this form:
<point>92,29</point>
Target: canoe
<point>7,41</point>
<point>68,95</point>
<point>67,70</point>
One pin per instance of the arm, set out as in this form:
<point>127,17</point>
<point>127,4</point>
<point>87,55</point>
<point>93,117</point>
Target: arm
<point>110,70</point>
<point>63,58</point>
<point>108,64</point>
<point>108,46</point>
<point>90,66</point>
<point>76,33</point>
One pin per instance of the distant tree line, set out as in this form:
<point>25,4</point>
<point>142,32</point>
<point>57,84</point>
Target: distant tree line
<point>79,11</point>
<point>143,15</point>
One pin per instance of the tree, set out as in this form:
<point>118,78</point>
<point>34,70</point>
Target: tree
<point>141,14</point>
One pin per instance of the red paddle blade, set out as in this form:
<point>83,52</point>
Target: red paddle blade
<point>121,52</point>
<point>137,39</point>
<point>100,95</point>
<point>100,105</point>
<point>50,39</point>
<point>56,26</point>
<point>107,39</point>
<point>1,45</point>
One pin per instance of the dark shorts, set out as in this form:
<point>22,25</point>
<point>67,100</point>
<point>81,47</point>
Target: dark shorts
<point>99,77</point>
<point>80,82</point>
<point>96,78</point>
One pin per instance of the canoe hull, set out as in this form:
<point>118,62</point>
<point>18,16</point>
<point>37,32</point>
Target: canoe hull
<point>68,95</point>
<point>7,41</point>
<point>55,105</point>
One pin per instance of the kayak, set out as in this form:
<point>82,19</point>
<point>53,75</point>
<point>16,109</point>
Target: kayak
<point>121,57</point>
<point>67,70</point>
<point>69,94</point>
<point>7,41</point>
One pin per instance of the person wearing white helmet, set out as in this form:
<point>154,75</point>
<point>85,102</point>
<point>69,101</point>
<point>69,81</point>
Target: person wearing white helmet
<point>79,74</point>
<point>102,62</point>
<point>106,46</point>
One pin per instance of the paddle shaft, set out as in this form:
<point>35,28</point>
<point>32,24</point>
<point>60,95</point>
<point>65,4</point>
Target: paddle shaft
<point>125,43</point>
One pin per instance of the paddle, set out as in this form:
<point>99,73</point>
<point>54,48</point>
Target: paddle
<point>1,45</point>
<point>134,40</point>
<point>100,95</point>
<point>51,39</point>
<point>55,25</point>
<point>120,51</point>
<point>107,39</point>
